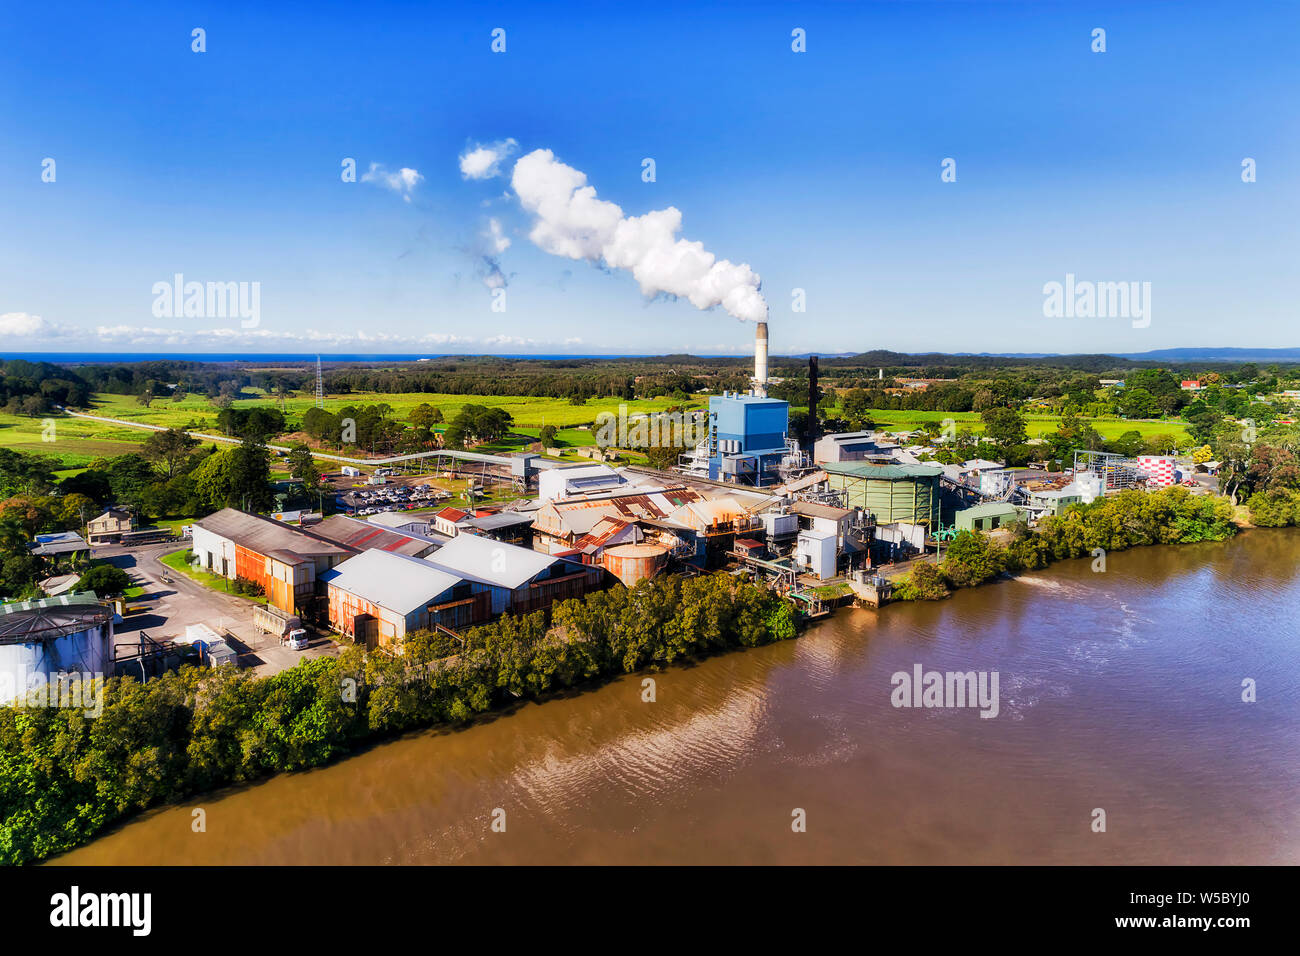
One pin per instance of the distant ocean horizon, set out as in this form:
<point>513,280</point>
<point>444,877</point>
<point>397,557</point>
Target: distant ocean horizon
<point>1185,355</point>
<point>83,358</point>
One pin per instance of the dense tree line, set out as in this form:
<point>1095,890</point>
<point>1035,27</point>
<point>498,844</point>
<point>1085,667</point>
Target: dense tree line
<point>1114,523</point>
<point>593,378</point>
<point>260,422</point>
<point>65,776</point>
<point>35,388</point>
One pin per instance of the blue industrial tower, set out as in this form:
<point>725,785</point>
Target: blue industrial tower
<point>747,438</point>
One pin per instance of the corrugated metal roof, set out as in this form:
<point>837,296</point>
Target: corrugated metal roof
<point>400,583</point>
<point>397,519</point>
<point>814,509</point>
<point>59,542</point>
<point>706,513</point>
<point>503,519</point>
<point>605,529</point>
<point>364,536</point>
<point>264,535</point>
<point>862,469</point>
<point>491,562</point>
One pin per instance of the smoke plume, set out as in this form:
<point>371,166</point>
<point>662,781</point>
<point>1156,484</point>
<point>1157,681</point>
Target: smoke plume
<point>572,222</point>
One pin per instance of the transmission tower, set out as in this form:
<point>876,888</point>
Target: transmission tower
<point>320,386</point>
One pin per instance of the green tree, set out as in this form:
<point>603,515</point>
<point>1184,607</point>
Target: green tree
<point>105,580</point>
<point>972,559</point>
<point>302,466</point>
<point>425,415</point>
<point>168,448</point>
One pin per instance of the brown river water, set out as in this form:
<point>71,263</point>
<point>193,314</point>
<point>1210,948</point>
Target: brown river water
<point>1118,690</point>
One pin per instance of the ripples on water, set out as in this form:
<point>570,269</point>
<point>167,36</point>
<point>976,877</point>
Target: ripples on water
<point>1119,690</point>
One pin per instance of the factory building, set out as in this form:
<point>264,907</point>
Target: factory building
<point>512,527</point>
<point>608,532</point>
<point>747,438</point>
<point>575,480</point>
<point>1054,501</point>
<point>988,516</point>
<point>377,597</point>
<point>847,446</point>
<point>364,536</point>
<point>892,493</point>
<point>502,577</point>
<point>815,552</point>
<point>39,640</point>
<point>558,525</point>
<point>284,561</point>
<point>404,521</point>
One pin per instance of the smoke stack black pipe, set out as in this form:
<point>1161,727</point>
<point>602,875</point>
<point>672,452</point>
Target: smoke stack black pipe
<point>811,428</point>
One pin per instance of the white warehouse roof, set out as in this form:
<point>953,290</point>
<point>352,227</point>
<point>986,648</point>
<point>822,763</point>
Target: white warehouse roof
<point>398,582</point>
<point>490,562</point>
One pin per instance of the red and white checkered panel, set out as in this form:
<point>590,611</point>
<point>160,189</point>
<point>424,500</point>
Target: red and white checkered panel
<point>1159,469</point>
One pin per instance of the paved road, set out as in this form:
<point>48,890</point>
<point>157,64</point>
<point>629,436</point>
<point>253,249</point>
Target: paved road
<point>172,606</point>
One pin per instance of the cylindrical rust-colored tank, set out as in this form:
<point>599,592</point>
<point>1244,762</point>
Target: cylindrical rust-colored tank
<point>633,563</point>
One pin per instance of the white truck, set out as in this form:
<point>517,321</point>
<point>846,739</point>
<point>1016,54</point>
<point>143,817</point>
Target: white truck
<point>272,620</point>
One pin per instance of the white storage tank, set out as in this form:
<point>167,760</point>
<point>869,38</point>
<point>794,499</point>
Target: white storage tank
<point>70,634</point>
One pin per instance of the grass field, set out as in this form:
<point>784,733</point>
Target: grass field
<point>79,441</point>
<point>76,442</point>
<point>1035,425</point>
<point>527,411</point>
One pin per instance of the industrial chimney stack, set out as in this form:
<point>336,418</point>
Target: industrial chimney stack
<point>760,360</point>
<point>814,393</point>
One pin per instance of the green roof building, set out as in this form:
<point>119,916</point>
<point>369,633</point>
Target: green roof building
<point>893,492</point>
<point>986,517</point>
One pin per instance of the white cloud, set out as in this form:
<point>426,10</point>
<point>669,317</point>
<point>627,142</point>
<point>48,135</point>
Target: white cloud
<point>572,222</point>
<point>25,325</point>
<point>500,242</point>
<point>264,339</point>
<point>402,182</point>
<point>484,160</point>
<point>508,340</point>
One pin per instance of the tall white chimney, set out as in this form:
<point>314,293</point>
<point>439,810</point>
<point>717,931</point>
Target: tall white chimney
<point>760,360</point>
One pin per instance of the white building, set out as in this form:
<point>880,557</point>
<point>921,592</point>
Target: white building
<point>816,550</point>
<point>556,483</point>
<point>403,521</point>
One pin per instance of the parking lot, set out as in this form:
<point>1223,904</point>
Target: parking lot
<point>167,606</point>
<point>398,495</point>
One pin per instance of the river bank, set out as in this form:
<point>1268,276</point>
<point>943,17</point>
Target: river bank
<point>192,732</point>
<point>65,776</point>
<point>1120,690</point>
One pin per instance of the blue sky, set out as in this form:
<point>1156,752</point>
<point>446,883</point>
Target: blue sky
<point>819,170</point>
